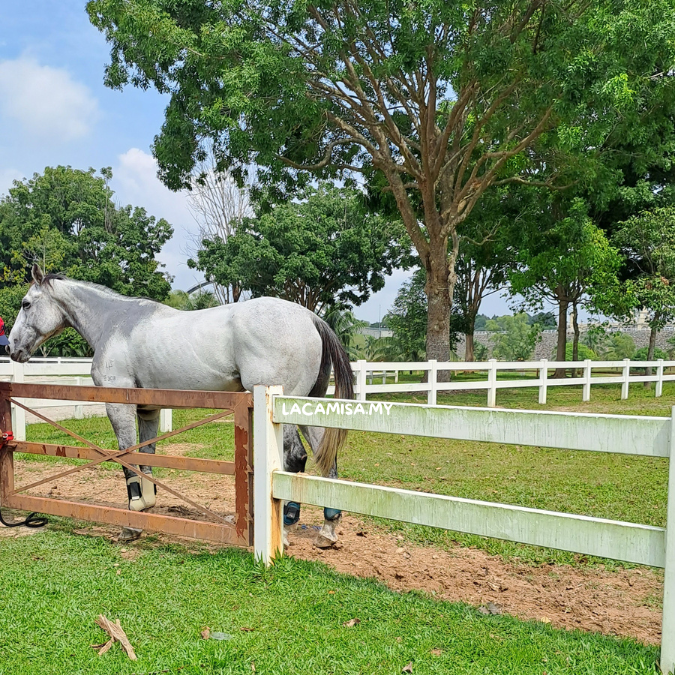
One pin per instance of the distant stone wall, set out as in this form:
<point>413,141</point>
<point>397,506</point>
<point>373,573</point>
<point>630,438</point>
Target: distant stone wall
<point>549,339</point>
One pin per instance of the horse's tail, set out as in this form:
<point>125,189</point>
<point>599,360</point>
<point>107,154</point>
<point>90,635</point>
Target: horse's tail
<point>333,353</point>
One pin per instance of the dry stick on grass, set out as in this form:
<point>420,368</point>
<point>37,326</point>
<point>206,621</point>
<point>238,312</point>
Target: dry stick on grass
<point>116,633</point>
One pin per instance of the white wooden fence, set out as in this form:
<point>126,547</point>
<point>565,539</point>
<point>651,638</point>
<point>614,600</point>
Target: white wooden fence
<point>57,371</point>
<point>366,372</point>
<point>634,435</point>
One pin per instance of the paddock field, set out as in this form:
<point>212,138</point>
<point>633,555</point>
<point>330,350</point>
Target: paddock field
<point>55,582</point>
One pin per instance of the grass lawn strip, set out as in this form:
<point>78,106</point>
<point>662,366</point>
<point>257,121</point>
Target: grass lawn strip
<point>54,585</point>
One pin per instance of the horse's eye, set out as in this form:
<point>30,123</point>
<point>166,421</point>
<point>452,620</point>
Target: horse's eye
<point>25,304</point>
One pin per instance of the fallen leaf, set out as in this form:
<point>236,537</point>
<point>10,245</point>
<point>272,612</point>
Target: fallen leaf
<point>398,639</point>
<point>545,619</point>
<point>408,668</point>
<point>351,622</point>
<point>253,667</point>
<point>247,630</point>
<point>436,652</point>
<point>206,632</point>
<point>331,592</point>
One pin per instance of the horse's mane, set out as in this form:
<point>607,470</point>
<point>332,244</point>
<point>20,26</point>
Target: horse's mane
<point>48,280</point>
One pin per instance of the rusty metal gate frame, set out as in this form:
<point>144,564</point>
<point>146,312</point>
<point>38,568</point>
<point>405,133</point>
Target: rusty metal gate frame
<point>239,404</point>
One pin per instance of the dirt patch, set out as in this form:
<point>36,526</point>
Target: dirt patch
<point>624,603</point>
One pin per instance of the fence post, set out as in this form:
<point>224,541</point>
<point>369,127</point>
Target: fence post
<point>492,383</point>
<point>18,414</point>
<point>659,382</point>
<point>668,621</point>
<point>6,457</point>
<point>396,376</point>
<point>586,395</point>
<point>543,376</point>
<point>361,380</point>
<point>625,386</point>
<point>433,381</point>
<point>79,410</point>
<point>268,446</point>
<point>165,420</point>
<point>384,377</point>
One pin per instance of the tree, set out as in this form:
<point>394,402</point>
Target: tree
<point>345,325</point>
<point>66,220</point>
<point>188,303</point>
<point>407,319</point>
<point>516,338</point>
<point>219,206</point>
<point>327,250</point>
<point>648,243</point>
<point>484,258</point>
<point>565,264</point>
<point>545,319</point>
<point>441,100</point>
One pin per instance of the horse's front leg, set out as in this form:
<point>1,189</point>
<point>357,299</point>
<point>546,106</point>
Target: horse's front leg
<point>142,493</point>
<point>123,420</point>
<point>331,517</point>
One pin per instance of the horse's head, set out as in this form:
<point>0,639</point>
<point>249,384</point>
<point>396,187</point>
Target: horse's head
<point>40,318</point>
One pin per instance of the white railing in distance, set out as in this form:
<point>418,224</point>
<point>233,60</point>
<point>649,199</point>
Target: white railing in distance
<point>366,374</point>
<point>50,371</point>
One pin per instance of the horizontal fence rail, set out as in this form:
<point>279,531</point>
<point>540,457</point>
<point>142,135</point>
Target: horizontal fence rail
<point>626,434</point>
<point>634,435</point>
<point>640,544</point>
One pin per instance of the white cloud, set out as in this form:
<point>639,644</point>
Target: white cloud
<point>45,101</point>
<point>135,182</point>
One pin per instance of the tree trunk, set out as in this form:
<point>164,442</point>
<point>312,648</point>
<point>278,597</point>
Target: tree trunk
<point>562,337</point>
<point>575,343</point>
<point>439,303</point>
<point>469,351</point>
<point>650,351</point>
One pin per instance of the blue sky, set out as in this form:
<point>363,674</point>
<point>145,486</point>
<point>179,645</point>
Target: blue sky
<point>54,110</point>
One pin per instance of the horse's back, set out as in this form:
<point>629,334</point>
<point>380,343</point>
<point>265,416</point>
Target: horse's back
<point>260,341</point>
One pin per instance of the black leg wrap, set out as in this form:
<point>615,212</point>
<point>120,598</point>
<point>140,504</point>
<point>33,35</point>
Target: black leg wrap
<point>331,514</point>
<point>291,513</point>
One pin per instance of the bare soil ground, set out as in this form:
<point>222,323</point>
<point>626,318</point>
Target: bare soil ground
<point>624,602</point>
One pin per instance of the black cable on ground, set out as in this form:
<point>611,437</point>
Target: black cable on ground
<point>31,521</point>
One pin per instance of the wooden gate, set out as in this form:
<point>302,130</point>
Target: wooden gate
<point>217,529</point>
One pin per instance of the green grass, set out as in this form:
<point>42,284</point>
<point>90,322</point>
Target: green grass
<point>54,585</point>
<point>618,487</point>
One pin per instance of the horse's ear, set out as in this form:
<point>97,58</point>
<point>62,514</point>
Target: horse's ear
<point>37,273</point>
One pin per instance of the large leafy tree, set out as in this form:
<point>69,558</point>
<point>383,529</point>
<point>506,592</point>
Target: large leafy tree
<point>441,99</point>
<point>567,263</point>
<point>648,243</point>
<point>67,221</point>
<point>326,250</point>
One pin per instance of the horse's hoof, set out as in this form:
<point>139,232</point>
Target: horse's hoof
<point>327,537</point>
<point>129,534</point>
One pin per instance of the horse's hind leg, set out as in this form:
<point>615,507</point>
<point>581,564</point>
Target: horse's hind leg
<point>331,517</point>
<point>295,459</point>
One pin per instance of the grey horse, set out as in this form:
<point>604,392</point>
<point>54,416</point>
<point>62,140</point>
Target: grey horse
<point>142,343</point>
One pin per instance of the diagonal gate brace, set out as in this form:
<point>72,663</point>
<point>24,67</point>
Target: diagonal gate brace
<point>116,456</point>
